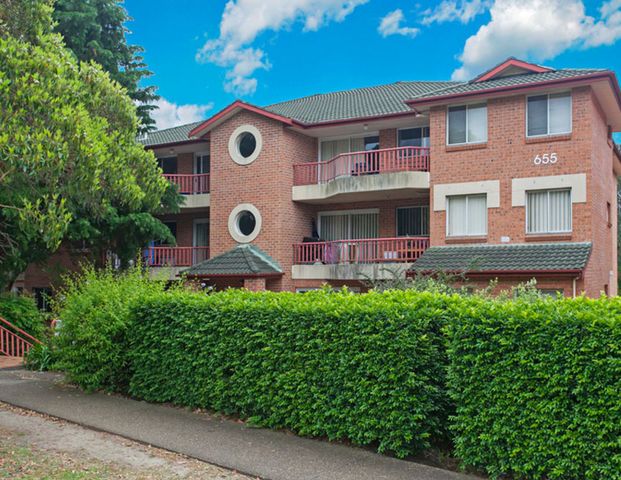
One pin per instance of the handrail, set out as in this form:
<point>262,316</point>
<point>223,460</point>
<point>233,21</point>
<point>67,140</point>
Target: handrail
<point>19,330</point>
<point>191,183</point>
<point>163,256</point>
<point>12,344</point>
<point>365,250</point>
<point>366,162</point>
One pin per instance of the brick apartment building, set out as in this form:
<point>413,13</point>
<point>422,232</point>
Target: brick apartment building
<point>510,176</point>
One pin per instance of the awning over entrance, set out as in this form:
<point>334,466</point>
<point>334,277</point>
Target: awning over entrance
<point>552,258</point>
<point>243,261</point>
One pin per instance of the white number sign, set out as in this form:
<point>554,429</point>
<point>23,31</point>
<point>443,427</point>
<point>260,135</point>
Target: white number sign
<point>545,159</point>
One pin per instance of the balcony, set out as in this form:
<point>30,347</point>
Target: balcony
<point>194,188</point>
<point>174,256</point>
<point>355,259</point>
<point>390,173</point>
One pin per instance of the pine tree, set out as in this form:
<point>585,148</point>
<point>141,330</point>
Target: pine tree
<point>95,30</point>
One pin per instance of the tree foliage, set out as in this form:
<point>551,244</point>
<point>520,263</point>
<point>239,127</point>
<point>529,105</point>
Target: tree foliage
<point>95,30</point>
<point>70,165</point>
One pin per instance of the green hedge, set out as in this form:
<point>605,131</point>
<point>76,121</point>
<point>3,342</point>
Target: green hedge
<point>22,311</point>
<point>367,368</point>
<point>538,388</point>
<point>94,309</point>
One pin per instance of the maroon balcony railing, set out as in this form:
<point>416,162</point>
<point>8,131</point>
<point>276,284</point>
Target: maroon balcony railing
<point>190,184</point>
<point>368,250</point>
<point>401,159</point>
<point>175,256</point>
<point>14,342</point>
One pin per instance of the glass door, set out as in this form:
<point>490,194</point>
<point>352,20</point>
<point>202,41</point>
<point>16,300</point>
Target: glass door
<point>201,240</point>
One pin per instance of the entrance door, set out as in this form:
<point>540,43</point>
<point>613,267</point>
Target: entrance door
<point>201,239</point>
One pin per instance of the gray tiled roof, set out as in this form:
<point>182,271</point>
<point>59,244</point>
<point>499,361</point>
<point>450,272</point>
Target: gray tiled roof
<point>170,135</point>
<point>356,103</point>
<point>507,257</point>
<point>242,260</point>
<point>509,81</point>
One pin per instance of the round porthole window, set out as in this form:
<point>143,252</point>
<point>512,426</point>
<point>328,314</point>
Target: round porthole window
<point>244,223</point>
<point>245,144</point>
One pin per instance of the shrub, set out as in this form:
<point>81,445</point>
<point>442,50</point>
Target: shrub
<point>94,311</point>
<point>39,357</point>
<point>366,368</point>
<point>22,311</point>
<point>538,388</point>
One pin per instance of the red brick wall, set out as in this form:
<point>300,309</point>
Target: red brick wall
<point>509,154</point>
<point>266,183</point>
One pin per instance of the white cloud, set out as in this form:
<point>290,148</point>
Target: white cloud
<point>170,114</point>
<point>244,20</point>
<point>391,25</point>
<point>537,30</point>
<point>452,10</point>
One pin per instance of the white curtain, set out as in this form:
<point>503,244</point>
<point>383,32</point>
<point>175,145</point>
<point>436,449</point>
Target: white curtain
<point>477,123</point>
<point>457,217</point>
<point>548,211</point>
<point>346,226</point>
<point>560,113</point>
<point>467,215</point>
<point>332,148</point>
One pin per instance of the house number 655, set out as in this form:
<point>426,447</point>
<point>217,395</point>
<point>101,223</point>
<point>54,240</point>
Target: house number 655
<point>545,159</point>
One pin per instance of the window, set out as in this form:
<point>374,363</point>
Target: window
<point>246,222</point>
<point>467,124</point>
<point>548,114</point>
<point>202,163</point>
<point>168,165</point>
<point>413,137</point>
<point>331,148</point>
<point>551,292</point>
<point>413,221</point>
<point>466,215</point>
<point>348,225</point>
<point>548,211</point>
<point>609,214</point>
<point>42,298</point>
<point>245,144</point>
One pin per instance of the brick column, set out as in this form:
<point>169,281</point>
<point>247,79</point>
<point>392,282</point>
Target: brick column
<point>254,284</point>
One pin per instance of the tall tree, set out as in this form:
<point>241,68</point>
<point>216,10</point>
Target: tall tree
<point>70,165</point>
<point>95,30</point>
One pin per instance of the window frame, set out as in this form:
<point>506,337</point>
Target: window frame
<point>399,130</point>
<point>448,124</point>
<point>548,134</point>
<point>466,195</point>
<point>421,207</point>
<point>370,133</point>
<point>348,213</point>
<point>550,232</point>
<point>197,156</point>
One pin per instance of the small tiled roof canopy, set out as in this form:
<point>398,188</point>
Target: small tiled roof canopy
<point>496,259</point>
<point>241,261</point>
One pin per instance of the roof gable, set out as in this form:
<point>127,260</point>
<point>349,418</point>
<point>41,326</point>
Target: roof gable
<point>244,260</point>
<point>511,66</point>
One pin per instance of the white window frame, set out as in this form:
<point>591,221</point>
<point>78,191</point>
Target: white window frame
<point>548,134</point>
<point>410,128</point>
<point>571,211</point>
<point>412,206</point>
<point>196,155</point>
<point>448,206</point>
<point>345,212</point>
<point>195,222</point>
<point>467,105</point>
<point>374,133</point>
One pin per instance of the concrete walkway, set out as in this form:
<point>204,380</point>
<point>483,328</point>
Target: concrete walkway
<point>264,453</point>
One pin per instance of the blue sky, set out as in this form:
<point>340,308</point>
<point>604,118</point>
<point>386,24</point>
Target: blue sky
<point>205,54</point>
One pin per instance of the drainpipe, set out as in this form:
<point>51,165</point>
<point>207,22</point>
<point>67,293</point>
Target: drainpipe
<point>574,286</point>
